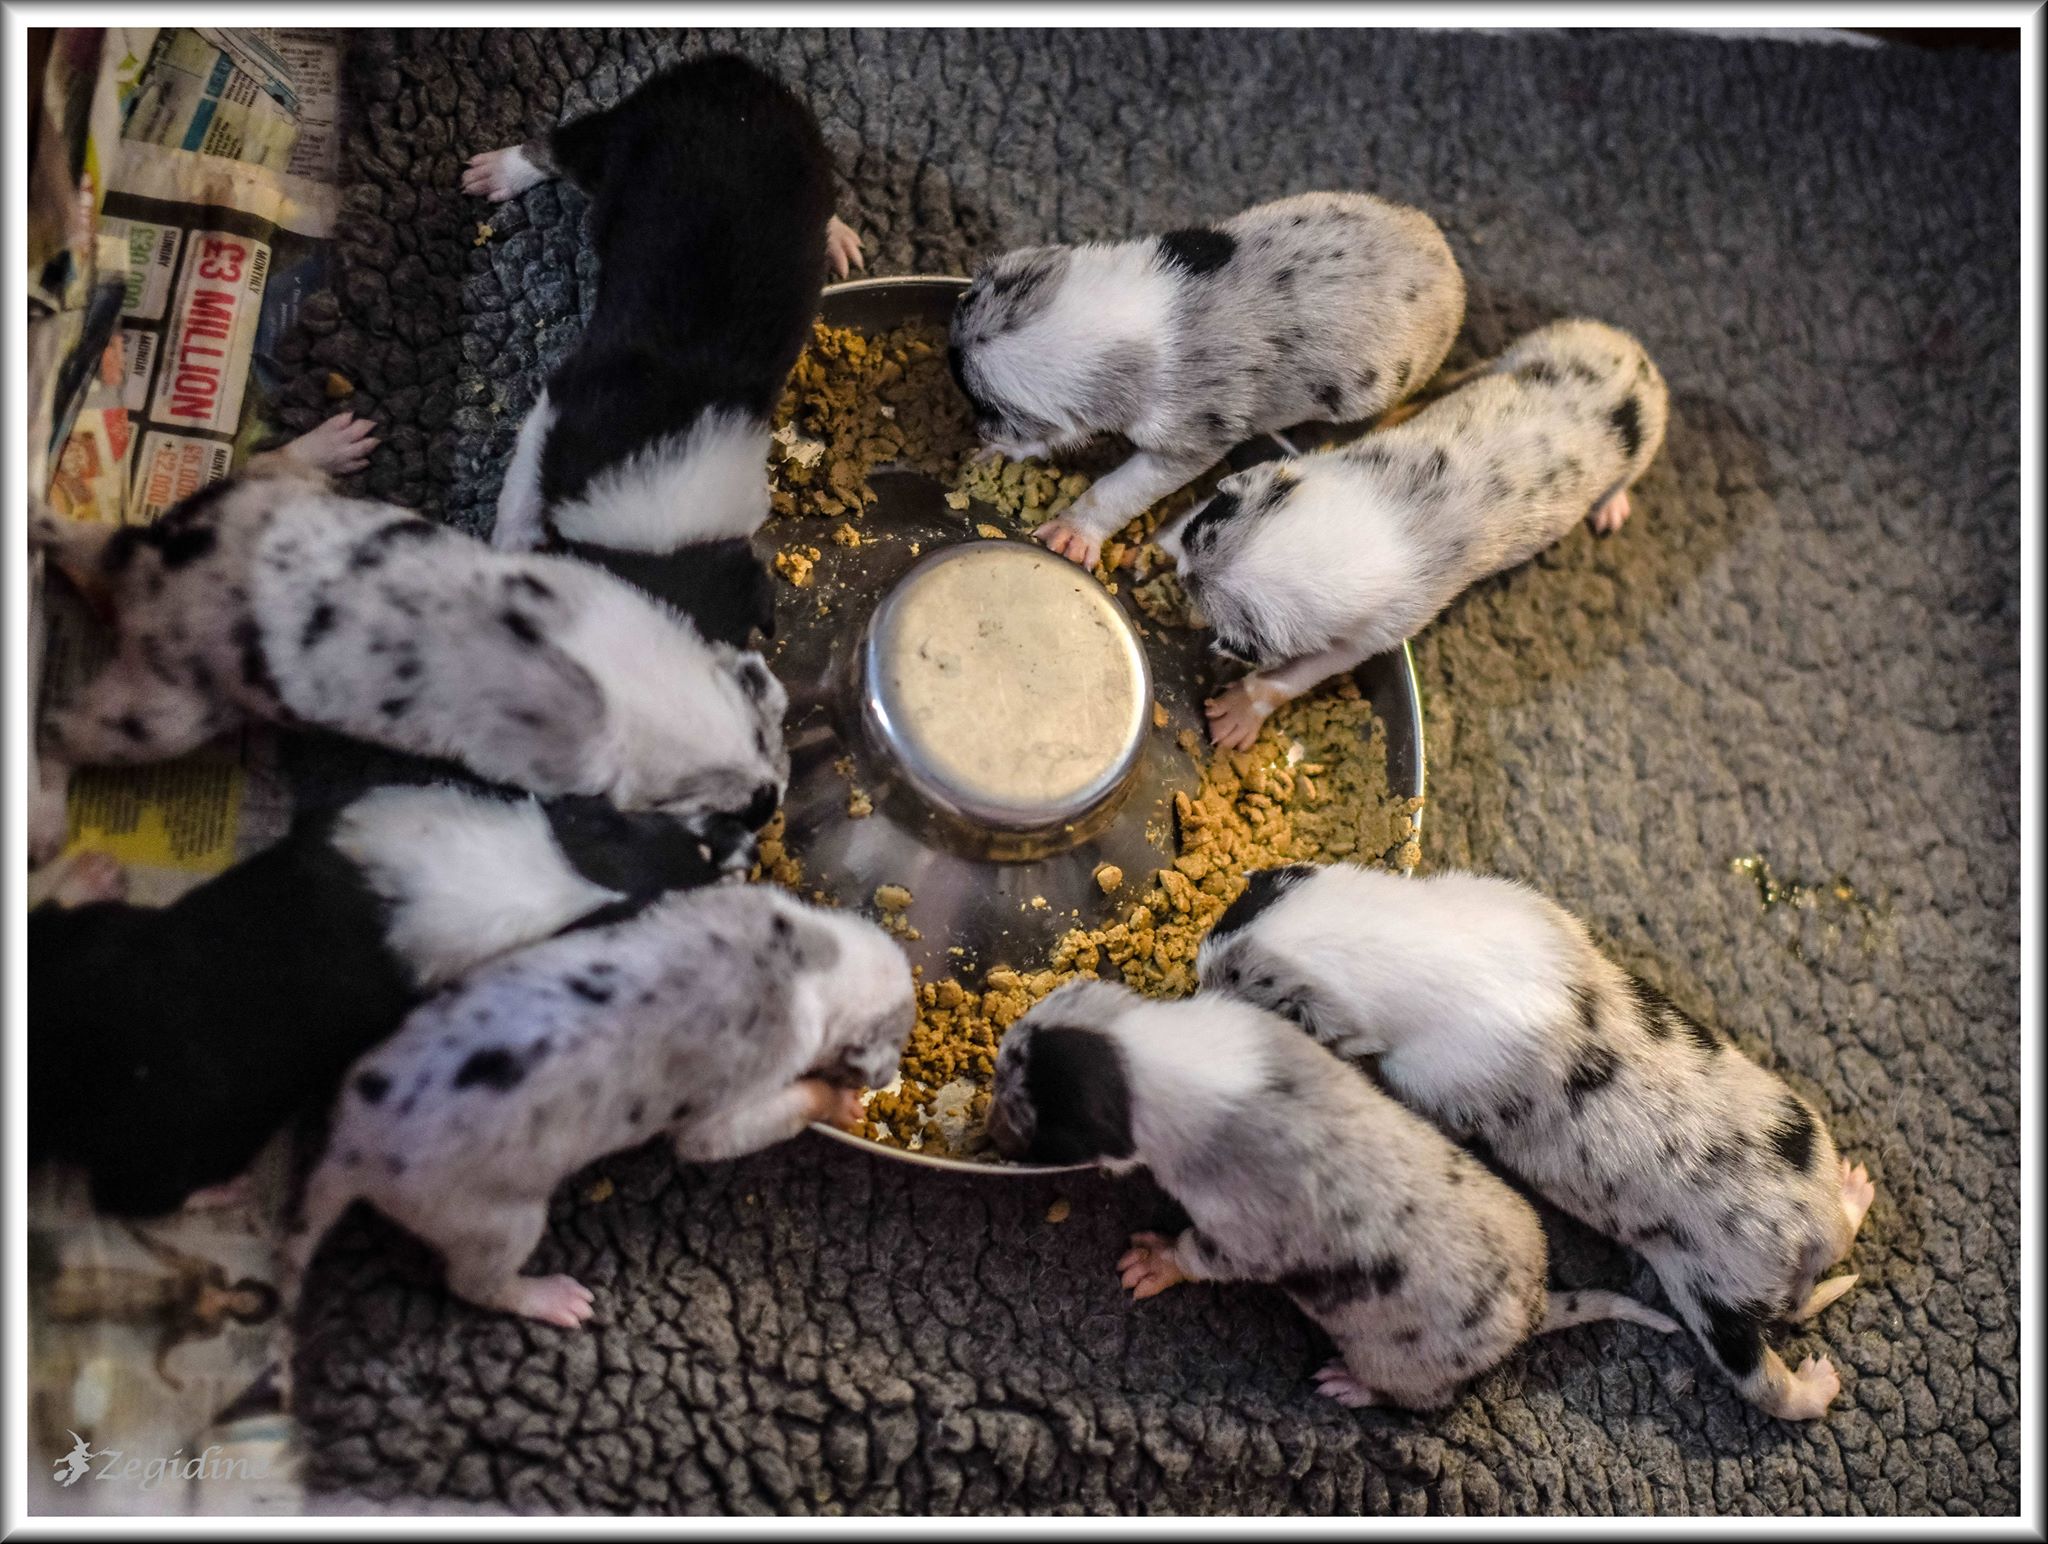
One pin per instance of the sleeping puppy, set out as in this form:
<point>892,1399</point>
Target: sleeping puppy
<point>269,597</point>
<point>711,211</point>
<point>724,1020</point>
<point>1294,1170</point>
<point>167,1045</point>
<point>1490,1010</point>
<point>1322,306</point>
<point>1307,567</point>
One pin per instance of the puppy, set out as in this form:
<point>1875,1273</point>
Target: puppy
<point>1321,306</point>
<point>1490,1011</point>
<point>1294,1170</point>
<point>724,1019</point>
<point>1308,566</point>
<point>166,1046</point>
<point>269,597</point>
<point>647,452</point>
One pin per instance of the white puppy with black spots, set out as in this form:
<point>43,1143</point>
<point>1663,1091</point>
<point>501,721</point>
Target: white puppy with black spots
<point>1328,306</point>
<point>723,1019</point>
<point>1294,1171</point>
<point>270,597</point>
<point>1309,566</point>
<point>1489,1009</point>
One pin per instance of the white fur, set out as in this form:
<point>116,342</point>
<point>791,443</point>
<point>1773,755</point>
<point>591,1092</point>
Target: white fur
<point>519,526</point>
<point>467,877</point>
<point>709,483</point>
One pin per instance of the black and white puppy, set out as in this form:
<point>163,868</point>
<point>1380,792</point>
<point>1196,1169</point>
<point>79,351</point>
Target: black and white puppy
<point>167,1045</point>
<point>269,597</point>
<point>1322,306</point>
<point>711,211</point>
<point>1295,1171</point>
<point>1307,567</point>
<point>1490,1010</point>
<point>724,1019</point>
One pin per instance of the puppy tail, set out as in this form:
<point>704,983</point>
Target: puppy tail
<point>1570,1308</point>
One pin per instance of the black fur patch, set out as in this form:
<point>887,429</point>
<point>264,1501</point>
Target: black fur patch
<point>131,727</point>
<point>1079,1095</point>
<point>1200,534</point>
<point>187,545</point>
<point>1265,887</point>
<point>1628,424</point>
<point>1539,372</point>
<point>495,1068</point>
<point>589,991</point>
<point>1198,248</point>
<point>1792,1139</point>
<point>1401,373</point>
<point>520,626</point>
<point>530,585</point>
<point>248,638</point>
<point>1366,377</point>
<point>1331,395</point>
<point>1735,1333</point>
<point>1593,1071</point>
<point>371,550</point>
<point>318,625</point>
<point>372,1087</point>
<point>1513,1112</point>
<point>1659,1014</point>
<point>395,707</point>
<point>1325,1287</point>
<point>1588,1004</point>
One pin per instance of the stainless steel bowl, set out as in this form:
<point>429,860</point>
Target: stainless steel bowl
<point>992,706</point>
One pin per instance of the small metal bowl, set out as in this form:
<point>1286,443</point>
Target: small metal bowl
<point>997,832</point>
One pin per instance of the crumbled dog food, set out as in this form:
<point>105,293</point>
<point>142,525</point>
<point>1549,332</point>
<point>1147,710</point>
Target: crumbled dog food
<point>1312,788</point>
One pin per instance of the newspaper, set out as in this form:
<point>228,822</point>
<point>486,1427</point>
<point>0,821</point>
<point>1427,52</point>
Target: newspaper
<point>177,225</point>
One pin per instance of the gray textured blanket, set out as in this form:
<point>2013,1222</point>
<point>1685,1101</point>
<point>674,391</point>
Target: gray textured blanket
<point>1803,647</point>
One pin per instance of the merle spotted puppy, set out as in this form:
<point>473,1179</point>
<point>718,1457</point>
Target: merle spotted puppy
<point>1295,1171</point>
<point>723,1019</point>
<point>711,193</point>
<point>269,597</point>
<point>1322,306</point>
<point>166,1045</point>
<point>1306,567</point>
<point>1490,1010</point>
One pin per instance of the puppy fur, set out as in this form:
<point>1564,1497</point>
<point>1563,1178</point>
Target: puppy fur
<point>711,190</point>
<point>271,598</point>
<point>167,1045</point>
<point>1322,306</point>
<point>1295,1171</point>
<point>1490,1010</point>
<point>1306,567</point>
<point>724,1019</point>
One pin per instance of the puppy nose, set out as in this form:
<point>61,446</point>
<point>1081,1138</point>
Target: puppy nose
<point>733,848</point>
<point>761,807</point>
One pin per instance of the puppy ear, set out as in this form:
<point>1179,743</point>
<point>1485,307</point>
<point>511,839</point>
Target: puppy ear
<point>805,944</point>
<point>539,726</point>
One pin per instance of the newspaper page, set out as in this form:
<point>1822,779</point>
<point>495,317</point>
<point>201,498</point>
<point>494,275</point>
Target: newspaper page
<point>210,158</point>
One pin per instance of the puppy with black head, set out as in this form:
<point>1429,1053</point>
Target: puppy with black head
<point>724,1020</point>
<point>1294,1171</point>
<point>1309,566</point>
<point>647,453</point>
<point>1329,306</point>
<point>167,1045</point>
<point>1487,1008</point>
<point>270,597</point>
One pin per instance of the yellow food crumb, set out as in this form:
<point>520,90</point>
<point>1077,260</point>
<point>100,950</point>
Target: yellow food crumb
<point>338,386</point>
<point>601,1189</point>
<point>1060,1210</point>
<point>1109,876</point>
<point>990,532</point>
<point>858,805</point>
<point>893,898</point>
<point>795,564</point>
<point>1159,717</point>
<point>483,234</point>
<point>845,535</point>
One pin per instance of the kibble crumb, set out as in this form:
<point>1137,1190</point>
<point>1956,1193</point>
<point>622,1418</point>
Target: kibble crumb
<point>1109,876</point>
<point>893,898</point>
<point>1060,1210</point>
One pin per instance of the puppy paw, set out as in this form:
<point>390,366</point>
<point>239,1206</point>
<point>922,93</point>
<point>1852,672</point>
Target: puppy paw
<point>1149,1266</point>
<point>337,447</point>
<point>1858,1192</point>
<point>1334,1381</point>
<point>223,1197</point>
<point>1237,713</point>
<point>1070,541</point>
<point>834,1106</point>
<point>842,247</point>
<point>1813,1387</point>
<point>500,174</point>
<point>82,879</point>
<point>1609,514</point>
<point>560,1300</point>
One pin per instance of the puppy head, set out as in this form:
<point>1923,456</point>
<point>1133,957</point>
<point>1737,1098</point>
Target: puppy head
<point>869,995</point>
<point>1063,1083</point>
<point>1237,960</point>
<point>1003,352</point>
<point>735,763</point>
